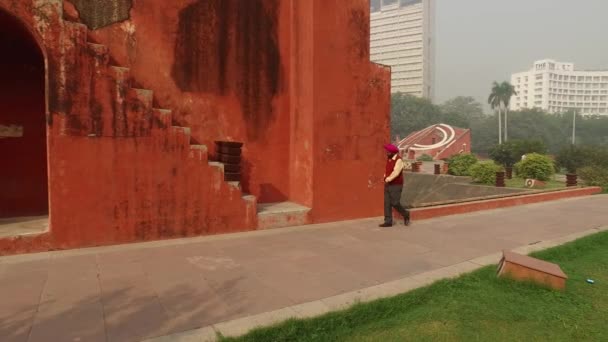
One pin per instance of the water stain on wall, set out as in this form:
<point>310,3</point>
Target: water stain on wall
<point>359,27</point>
<point>100,13</point>
<point>231,47</point>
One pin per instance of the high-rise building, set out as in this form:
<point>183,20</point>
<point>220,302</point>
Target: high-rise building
<point>558,87</point>
<point>402,37</point>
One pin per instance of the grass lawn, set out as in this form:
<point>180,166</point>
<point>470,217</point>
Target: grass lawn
<point>520,183</point>
<point>476,307</point>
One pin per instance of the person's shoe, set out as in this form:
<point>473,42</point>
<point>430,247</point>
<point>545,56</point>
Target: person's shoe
<point>407,221</point>
<point>385,225</point>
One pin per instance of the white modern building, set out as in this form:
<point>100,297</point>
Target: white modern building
<point>402,36</point>
<point>558,87</point>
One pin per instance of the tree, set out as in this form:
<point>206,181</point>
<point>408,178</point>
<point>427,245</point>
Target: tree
<point>500,98</point>
<point>591,130</point>
<point>507,92</point>
<point>573,157</point>
<point>495,101</point>
<point>505,154</point>
<point>553,130</point>
<point>510,152</point>
<point>410,114</point>
<point>529,146</point>
<point>463,105</point>
<point>570,158</point>
<point>484,134</point>
<point>461,111</point>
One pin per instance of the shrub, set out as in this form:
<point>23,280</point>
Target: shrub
<point>425,158</point>
<point>529,146</point>
<point>570,158</point>
<point>594,176</point>
<point>510,152</point>
<point>484,172</point>
<point>573,157</point>
<point>505,154</point>
<point>594,156</point>
<point>536,166</point>
<point>461,163</point>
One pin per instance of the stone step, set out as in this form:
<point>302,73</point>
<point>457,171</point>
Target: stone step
<point>162,118</point>
<point>139,111</point>
<point>121,110</point>
<point>198,152</point>
<point>121,78</point>
<point>281,215</point>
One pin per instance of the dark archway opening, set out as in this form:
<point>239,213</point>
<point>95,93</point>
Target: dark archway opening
<point>23,136</point>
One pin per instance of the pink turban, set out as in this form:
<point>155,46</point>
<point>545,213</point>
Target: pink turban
<point>391,148</point>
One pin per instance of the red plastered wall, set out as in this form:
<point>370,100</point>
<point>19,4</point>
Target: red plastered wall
<point>291,79</point>
<point>222,66</point>
<point>351,114</point>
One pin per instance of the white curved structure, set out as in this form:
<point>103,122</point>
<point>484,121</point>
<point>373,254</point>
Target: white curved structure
<point>447,139</point>
<point>439,141</point>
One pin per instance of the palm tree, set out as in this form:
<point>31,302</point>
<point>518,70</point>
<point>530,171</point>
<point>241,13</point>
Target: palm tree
<point>495,101</point>
<point>507,91</point>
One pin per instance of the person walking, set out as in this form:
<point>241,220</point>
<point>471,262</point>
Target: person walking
<point>393,186</point>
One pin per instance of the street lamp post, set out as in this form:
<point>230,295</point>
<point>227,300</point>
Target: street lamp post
<point>574,127</point>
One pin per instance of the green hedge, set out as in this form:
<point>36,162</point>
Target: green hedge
<point>535,166</point>
<point>460,164</point>
<point>484,172</point>
<point>594,176</point>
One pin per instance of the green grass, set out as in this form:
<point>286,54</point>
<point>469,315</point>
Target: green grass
<point>476,307</point>
<point>520,183</point>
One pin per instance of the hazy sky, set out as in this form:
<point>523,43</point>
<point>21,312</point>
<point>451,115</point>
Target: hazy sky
<point>479,41</point>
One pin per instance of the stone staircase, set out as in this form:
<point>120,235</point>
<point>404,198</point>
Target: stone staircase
<point>102,102</point>
<point>109,105</point>
<point>281,215</point>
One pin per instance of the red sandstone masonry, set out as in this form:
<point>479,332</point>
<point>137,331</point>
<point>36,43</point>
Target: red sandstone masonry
<point>26,244</point>
<point>468,207</point>
<point>44,242</point>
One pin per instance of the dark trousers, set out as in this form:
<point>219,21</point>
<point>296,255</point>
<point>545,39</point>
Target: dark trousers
<point>392,199</point>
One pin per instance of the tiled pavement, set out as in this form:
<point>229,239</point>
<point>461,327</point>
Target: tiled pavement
<point>140,291</point>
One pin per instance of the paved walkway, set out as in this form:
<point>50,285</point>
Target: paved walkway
<point>140,291</point>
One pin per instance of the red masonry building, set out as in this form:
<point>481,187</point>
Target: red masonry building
<point>438,141</point>
<point>111,112</point>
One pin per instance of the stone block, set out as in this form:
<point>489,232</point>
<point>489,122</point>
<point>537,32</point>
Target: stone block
<point>523,267</point>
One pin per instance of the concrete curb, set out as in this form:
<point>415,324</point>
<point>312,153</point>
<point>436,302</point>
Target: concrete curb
<point>343,301</point>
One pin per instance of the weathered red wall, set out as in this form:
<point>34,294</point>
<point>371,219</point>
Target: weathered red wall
<point>161,192</point>
<point>222,66</point>
<point>23,170</point>
<point>278,97</point>
<point>351,114</point>
<point>291,79</point>
<point>302,64</point>
<point>110,181</point>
